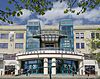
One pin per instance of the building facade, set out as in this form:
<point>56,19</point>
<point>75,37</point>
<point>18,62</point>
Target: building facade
<point>58,49</point>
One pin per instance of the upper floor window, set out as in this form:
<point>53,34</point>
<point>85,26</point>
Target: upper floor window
<point>3,36</point>
<point>19,45</point>
<point>77,35</point>
<point>82,45</point>
<point>82,35</point>
<point>97,35</point>
<point>19,35</point>
<point>77,45</point>
<point>92,35</point>
<point>3,45</point>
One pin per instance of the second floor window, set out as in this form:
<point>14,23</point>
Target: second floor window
<point>19,35</point>
<point>19,45</point>
<point>82,45</point>
<point>4,45</point>
<point>77,45</point>
<point>3,36</point>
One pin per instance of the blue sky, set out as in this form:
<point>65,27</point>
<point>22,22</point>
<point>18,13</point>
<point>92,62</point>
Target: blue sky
<point>55,15</point>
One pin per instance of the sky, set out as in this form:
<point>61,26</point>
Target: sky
<point>54,15</point>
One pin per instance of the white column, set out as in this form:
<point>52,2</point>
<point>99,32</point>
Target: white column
<point>17,67</point>
<point>45,66</point>
<point>81,68</point>
<point>53,64</point>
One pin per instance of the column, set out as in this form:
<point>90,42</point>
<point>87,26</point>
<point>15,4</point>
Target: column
<point>81,68</point>
<point>17,67</point>
<point>45,66</point>
<point>53,66</point>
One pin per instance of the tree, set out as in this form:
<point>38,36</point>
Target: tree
<point>94,45</point>
<point>40,6</point>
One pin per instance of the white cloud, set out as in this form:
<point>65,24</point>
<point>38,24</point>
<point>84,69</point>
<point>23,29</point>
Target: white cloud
<point>57,12</point>
<point>25,15</point>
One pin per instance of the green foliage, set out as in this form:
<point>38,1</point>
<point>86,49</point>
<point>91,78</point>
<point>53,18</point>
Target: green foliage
<point>40,6</point>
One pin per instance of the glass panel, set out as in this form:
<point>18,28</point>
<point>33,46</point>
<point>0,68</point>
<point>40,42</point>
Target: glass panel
<point>82,35</point>
<point>18,45</point>
<point>19,35</point>
<point>89,69</point>
<point>92,35</point>
<point>82,45</point>
<point>33,66</point>
<point>97,35</point>
<point>77,35</point>
<point>4,36</point>
<point>67,66</point>
<point>77,45</point>
<point>3,45</point>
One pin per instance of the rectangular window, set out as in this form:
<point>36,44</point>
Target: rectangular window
<point>4,45</point>
<point>97,35</point>
<point>82,45</point>
<point>19,45</point>
<point>92,35</point>
<point>19,35</point>
<point>98,44</point>
<point>77,45</point>
<point>3,36</point>
<point>77,35</point>
<point>82,35</point>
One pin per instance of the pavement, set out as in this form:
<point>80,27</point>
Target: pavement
<point>41,76</point>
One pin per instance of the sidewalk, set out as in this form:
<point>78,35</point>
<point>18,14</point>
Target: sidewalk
<point>41,76</point>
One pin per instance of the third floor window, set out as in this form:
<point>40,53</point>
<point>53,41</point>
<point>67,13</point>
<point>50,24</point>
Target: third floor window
<point>79,35</point>
<point>95,35</point>
<point>4,36</point>
<point>19,35</point>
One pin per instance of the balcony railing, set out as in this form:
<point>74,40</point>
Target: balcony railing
<point>48,51</point>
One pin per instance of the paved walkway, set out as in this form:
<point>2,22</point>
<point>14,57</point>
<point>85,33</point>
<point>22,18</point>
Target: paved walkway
<point>41,76</point>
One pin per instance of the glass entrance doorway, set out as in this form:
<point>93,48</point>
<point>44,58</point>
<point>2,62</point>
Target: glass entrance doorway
<point>32,66</point>
<point>67,66</point>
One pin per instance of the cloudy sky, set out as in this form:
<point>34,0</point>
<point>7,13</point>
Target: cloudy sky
<point>54,15</point>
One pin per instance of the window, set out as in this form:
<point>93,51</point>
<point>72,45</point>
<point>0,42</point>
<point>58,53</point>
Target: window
<point>82,45</point>
<point>3,36</point>
<point>19,45</point>
<point>97,35</point>
<point>19,35</point>
<point>77,45</point>
<point>77,35</point>
<point>82,35</point>
<point>3,45</point>
<point>92,35</point>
